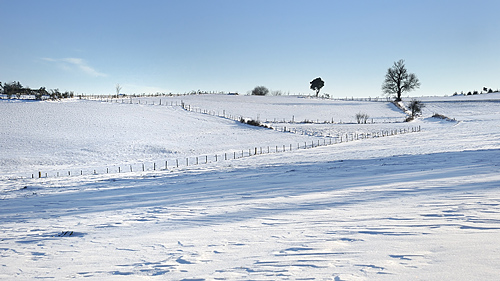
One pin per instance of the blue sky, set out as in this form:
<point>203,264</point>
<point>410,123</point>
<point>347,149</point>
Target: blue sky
<point>228,45</point>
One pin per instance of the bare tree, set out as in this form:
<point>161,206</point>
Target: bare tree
<point>317,84</point>
<point>398,80</point>
<point>118,89</point>
<point>362,118</point>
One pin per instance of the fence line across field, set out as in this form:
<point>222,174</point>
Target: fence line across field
<point>176,163</point>
<point>159,96</point>
<point>199,160</point>
<point>222,113</point>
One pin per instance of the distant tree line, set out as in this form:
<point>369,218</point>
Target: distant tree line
<point>484,91</point>
<point>16,90</point>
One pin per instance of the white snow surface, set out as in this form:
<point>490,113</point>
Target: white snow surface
<point>410,206</point>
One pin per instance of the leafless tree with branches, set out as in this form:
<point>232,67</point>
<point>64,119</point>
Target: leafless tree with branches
<point>398,80</point>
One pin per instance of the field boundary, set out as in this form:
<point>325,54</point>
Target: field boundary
<point>189,161</point>
<point>186,162</point>
<point>223,113</point>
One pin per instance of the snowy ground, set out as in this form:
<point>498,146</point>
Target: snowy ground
<point>416,206</point>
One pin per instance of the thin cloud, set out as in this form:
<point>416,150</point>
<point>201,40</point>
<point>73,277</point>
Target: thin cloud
<point>78,63</point>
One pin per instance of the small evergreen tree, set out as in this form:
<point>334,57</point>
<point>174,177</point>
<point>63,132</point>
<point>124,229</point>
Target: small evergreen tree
<point>316,85</point>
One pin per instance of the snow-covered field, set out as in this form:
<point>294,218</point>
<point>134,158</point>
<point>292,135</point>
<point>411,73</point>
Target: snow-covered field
<point>416,206</point>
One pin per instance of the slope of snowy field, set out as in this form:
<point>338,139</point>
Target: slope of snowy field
<point>86,135</point>
<point>417,206</point>
<point>287,108</point>
<point>38,136</point>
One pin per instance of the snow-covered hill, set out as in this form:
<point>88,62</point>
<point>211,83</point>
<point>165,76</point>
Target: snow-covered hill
<point>416,206</point>
<point>91,135</point>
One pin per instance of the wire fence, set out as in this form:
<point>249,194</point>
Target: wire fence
<point>275,124</point>
<point>160,95</point>
<point>179,163</point>
<point>185,162</point>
